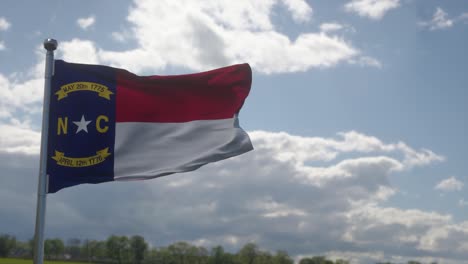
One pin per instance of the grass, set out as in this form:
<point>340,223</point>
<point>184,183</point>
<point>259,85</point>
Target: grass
<point>29,261</point>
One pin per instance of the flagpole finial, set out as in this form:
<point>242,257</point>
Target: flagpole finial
<point>50,44</point>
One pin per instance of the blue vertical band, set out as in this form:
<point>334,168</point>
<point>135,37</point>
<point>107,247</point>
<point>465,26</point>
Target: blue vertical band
<point>81,125</point>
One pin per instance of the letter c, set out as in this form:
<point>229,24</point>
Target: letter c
<point>99,128</point>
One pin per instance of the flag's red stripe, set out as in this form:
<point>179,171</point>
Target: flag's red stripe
<point>216,94</point>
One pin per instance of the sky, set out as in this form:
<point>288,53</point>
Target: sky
<point>357,114</point>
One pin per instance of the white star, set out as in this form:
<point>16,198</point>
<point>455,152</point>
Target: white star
<point>82,124</point>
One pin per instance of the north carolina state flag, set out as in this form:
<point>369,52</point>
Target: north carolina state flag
<point>107,124</point>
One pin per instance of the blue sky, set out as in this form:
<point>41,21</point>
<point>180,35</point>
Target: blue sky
<point>357,113</point>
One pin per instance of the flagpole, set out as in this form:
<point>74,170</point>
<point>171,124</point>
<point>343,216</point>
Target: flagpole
<point>50,45</point>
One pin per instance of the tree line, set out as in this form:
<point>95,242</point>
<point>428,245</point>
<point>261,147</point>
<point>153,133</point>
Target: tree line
<point>135,250</point>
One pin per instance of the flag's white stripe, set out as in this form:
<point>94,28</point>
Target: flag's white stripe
<point>148,150</point>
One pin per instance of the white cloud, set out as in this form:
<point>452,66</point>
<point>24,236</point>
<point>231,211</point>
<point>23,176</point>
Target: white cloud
<point>446,237</point>
<point>301,150</point>
<point>374,9</point>
<point>366,61</point>
<point>272,209</point>
<point>208,34</point>
<point>329,27</point>
<point>79,51</point>
<point>430,234</point>
<point>21,97</point>
<point>462,203</point>
<point>300,10</point>
<point>17,94</point>
<point>85,22</point>
<point>389,215</point>
<point>450,184</point>
<point>120,36</point>
<point>17,139</point>
<point>439,20</point>
<point>4,24</point>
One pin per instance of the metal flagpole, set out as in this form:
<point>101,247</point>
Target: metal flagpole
<point>50,45</point>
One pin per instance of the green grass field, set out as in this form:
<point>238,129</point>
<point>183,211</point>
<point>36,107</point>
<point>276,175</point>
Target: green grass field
<point>29,261</point>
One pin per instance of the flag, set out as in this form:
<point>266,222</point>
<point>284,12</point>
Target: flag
<point>107,124</point>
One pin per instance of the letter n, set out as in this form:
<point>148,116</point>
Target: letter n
<point>62,126</point>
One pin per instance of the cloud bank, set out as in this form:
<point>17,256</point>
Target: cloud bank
<point>283,195</point>
<point>209,34</point>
